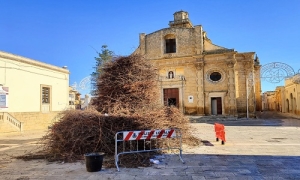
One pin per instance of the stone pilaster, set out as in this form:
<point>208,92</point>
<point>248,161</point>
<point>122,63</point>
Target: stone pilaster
<point>232,111</point>
<point>250,81</point>
<point>199,81</point>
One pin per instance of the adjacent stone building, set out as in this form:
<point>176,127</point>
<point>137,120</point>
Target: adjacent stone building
<point>292,95</point>
<point>269,102</point>
<point>199,77</point>
<point>279,98</point>
<point>74,98</point>
<point>285,99</point>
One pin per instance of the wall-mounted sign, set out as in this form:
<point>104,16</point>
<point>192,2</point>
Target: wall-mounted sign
<point>3,97</point>
<point>191,99</point>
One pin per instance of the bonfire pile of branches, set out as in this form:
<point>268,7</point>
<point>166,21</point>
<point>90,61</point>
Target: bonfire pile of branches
<point>127,85</point>
<point>126,100</point>
<point>81,132</point>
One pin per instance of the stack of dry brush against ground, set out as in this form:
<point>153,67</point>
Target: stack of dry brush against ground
<point>127,92</point>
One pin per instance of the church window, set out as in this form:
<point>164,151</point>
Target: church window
<point>170,45</point>
<point>215,76</point>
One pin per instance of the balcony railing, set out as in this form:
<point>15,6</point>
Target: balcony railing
<point>187,20</point>
<point>175,78</point>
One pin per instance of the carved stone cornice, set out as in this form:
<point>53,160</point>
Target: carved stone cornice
<point>231,63</point>
<point>199,65</point>
<point>200,59</point>
<point>247,65</point>
<point>231,56</point>
<point>257,67</point>
<point>248,55</point>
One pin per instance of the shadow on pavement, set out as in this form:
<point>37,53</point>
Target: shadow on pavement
<point>207,143</point>
<point>18,141</point>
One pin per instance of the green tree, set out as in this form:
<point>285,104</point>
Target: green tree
<point>105,56</point>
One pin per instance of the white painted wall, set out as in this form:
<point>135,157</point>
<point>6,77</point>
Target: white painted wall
<point>24,78</point>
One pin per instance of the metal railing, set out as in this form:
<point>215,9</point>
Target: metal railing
<point>179,21</point>
<point>141,141</point>
<point>12,121</point>
<point>172,78</point>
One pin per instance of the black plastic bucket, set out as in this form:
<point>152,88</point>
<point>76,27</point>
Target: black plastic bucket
<point>93,161</point>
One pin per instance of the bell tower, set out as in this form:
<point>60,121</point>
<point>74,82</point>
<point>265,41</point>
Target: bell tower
<point>181,19</point>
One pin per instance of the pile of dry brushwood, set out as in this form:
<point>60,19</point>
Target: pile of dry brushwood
<point>127,92</point>
<point>126,86</point>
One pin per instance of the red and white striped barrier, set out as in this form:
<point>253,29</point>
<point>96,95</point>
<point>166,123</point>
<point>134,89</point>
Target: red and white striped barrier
<point>148,134</point>
<point>127,142</point>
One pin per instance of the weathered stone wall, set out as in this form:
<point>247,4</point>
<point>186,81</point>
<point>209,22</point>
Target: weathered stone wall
<point>197,83</point>
<point>192,87</point>
<point>188,41</point>
<point>34,120</point>
<point>245,71</point>
<point>292,96</point>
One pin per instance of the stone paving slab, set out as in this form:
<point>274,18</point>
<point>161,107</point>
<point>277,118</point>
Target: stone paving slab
<point>251,152</point>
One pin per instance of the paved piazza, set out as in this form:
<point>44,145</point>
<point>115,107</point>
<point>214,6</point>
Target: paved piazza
<point>264,148</point>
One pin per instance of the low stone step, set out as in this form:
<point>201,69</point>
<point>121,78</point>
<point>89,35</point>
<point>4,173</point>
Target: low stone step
<point>199,119</point>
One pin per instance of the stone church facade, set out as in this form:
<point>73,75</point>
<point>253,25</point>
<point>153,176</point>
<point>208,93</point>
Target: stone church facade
<point>199,77</point>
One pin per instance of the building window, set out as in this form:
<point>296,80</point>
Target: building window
<point>46,98</point>
<point>170,45</point>
<point>71,97</point>
<point>215,76</point>
<point>45,95</point>
<point>171,75</point>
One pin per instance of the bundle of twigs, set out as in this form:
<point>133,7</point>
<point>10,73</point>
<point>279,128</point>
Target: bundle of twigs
<point>127,85</point>
<point>81,132</point>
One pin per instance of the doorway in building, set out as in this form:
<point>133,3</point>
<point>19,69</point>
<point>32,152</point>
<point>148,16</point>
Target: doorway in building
<point>171,97</point>
<point>216,105</point>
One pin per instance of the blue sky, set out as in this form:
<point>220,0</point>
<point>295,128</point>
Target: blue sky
<point>68,33</point>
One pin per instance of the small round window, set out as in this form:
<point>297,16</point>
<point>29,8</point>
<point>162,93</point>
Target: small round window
<point>215,76</point>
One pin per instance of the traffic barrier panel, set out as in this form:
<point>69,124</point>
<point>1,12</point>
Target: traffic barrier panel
<point>220,132</point>
<point>143,140</point>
